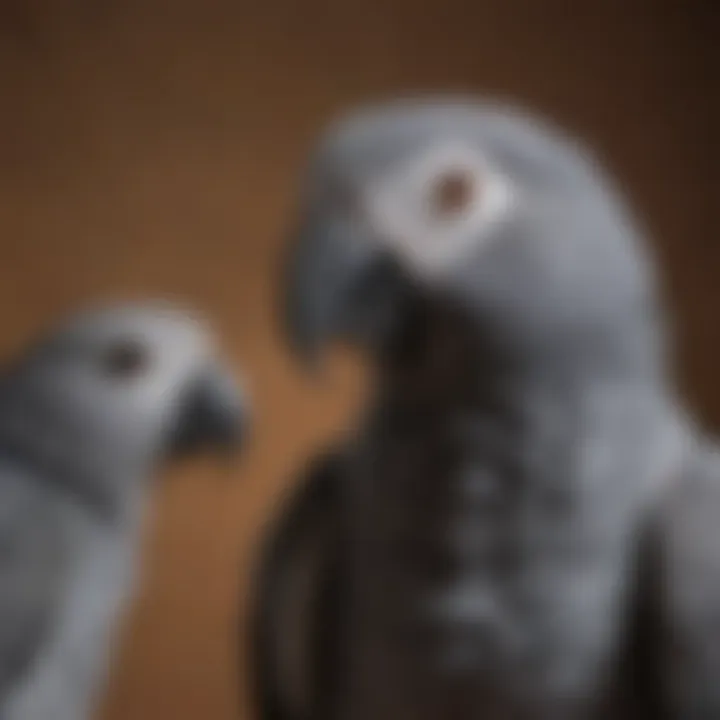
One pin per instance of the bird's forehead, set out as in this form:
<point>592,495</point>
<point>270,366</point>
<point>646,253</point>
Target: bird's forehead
<point>372,140</point>
<point>169,332</point>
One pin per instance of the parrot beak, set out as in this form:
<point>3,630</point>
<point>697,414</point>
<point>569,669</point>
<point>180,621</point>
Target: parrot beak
<point>213,415</point>
<point>338,288</point>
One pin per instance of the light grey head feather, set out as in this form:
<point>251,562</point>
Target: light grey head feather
<point>561,263</point>
<point>107,393</point>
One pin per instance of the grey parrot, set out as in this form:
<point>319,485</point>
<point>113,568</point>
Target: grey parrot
<point>87,415</point>
<point>525,523</point>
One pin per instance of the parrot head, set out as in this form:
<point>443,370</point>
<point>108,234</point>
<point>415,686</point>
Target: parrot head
<point>474,207</point>
<point>112,391</point>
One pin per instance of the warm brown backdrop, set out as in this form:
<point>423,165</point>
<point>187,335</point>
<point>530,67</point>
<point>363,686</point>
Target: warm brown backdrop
<point>150,148</point>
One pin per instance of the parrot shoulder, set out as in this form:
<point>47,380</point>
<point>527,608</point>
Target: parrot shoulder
<point>691,549</point>
<point>32,571</point>
<point>293,612</point>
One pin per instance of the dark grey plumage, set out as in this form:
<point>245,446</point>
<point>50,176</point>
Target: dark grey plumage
<point>504,511</point>
<point>690,537</point>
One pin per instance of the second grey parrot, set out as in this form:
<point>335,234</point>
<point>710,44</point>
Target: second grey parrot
<point>524,525</point>
<point>86,417</point>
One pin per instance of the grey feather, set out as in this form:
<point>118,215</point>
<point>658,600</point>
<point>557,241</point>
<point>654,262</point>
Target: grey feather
<point>86,417</point>
<point>32,566</point>
<point>296,610</point>
<point>691,587</point>
<point>523,434</point>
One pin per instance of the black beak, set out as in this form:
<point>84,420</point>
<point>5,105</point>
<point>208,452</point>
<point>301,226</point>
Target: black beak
<point>213,416</point>
<point>338,287</point>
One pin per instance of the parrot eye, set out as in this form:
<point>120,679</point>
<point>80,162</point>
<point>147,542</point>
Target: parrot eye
<point>125,359</point>
<point>452,193</point>
<point>439,206</point>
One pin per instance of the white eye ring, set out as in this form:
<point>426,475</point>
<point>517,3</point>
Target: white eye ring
<point>439,206</point>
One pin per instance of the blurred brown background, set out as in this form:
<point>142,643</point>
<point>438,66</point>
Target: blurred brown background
<point>151,148</point>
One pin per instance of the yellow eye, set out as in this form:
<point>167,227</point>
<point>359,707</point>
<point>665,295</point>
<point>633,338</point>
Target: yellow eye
<point>125,359</point>
<point>452,193</point>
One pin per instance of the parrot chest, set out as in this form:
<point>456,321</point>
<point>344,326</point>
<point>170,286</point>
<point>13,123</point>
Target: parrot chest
<point>480,582</point>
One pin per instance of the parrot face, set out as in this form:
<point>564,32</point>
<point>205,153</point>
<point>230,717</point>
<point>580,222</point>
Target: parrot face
<point>470,205</point>
<point>114,390</point>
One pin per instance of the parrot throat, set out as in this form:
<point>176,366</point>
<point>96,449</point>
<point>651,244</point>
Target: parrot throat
<point>441,355</point>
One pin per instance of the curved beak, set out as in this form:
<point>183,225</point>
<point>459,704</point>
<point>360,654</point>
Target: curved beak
<point>337,286</point>
<point>214,414</point>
